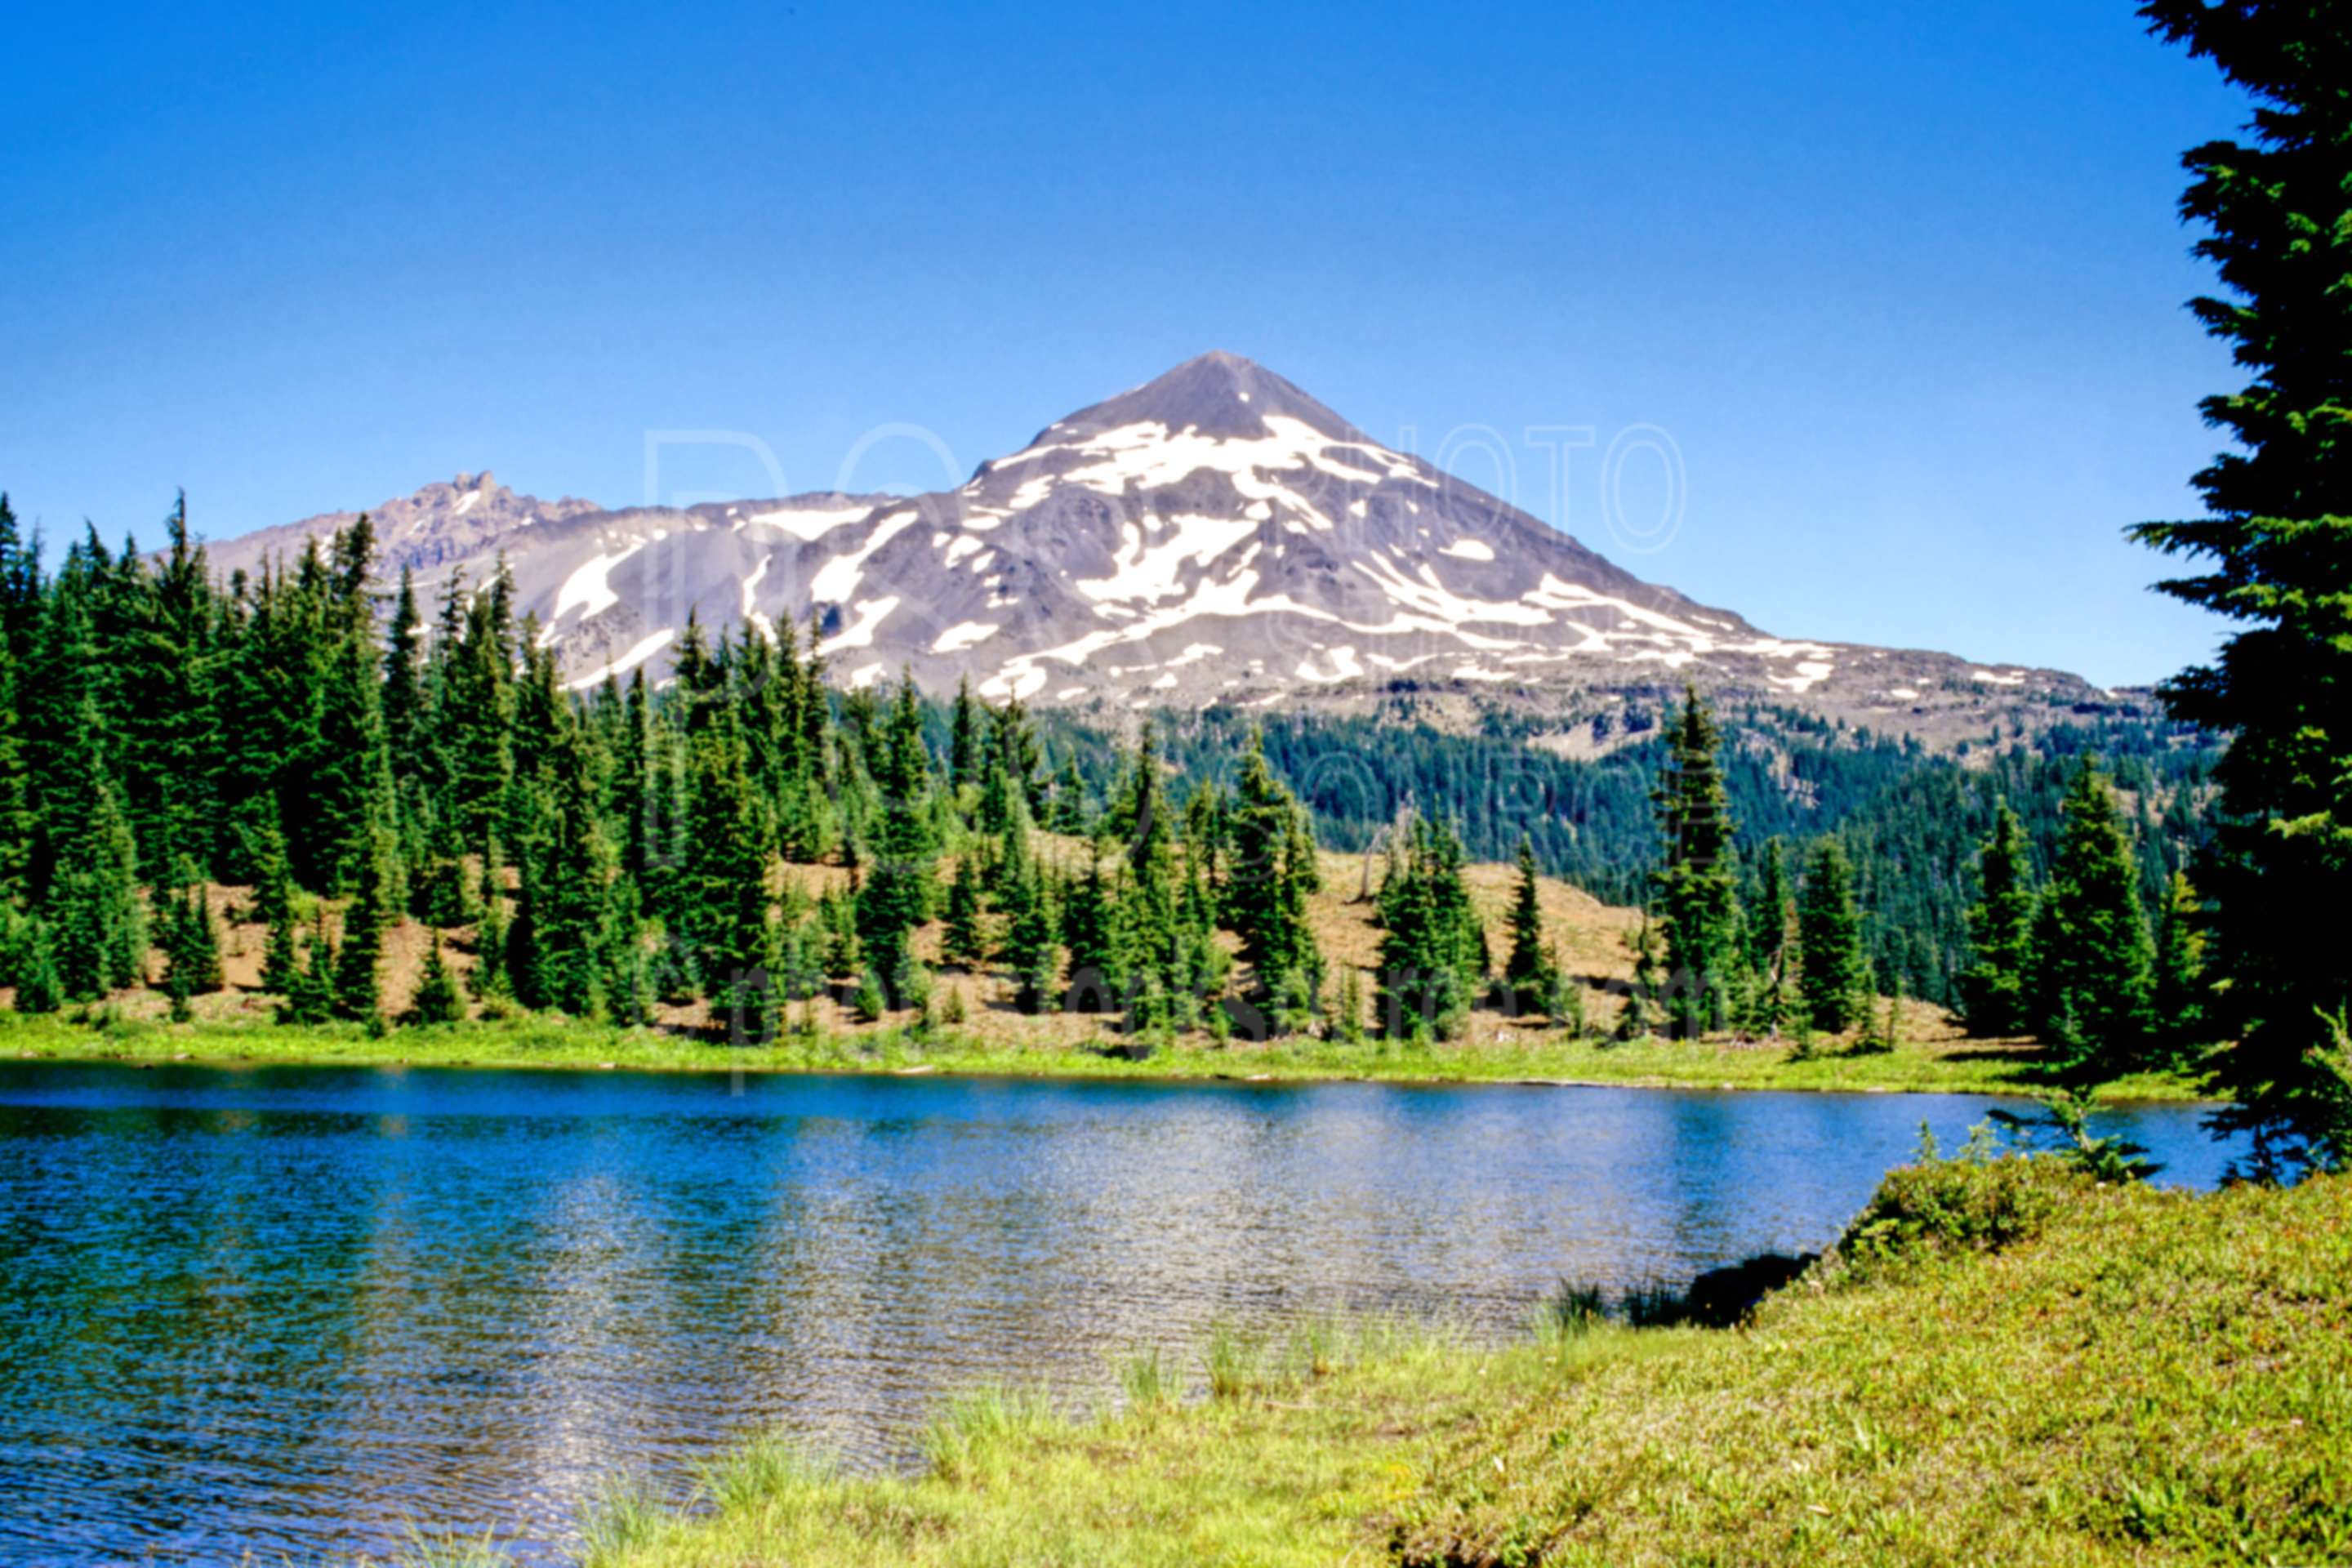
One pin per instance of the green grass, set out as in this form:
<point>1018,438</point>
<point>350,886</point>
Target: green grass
<point>555,1042</point>
<point>2004,1364</point>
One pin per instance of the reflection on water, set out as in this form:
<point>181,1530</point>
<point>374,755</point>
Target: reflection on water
<point>295,1310</point>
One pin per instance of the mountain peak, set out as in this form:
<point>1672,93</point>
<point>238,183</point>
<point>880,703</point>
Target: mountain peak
<point>1217,394</point>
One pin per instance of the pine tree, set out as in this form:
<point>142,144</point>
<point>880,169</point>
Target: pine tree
<point>964,740</point>
<point>2094,962</point>
<point>437,1000</point>
<point>2182,991</point>
<point>1833,975</point>
<point>1032,951</point>
<point>2001,934</point>
<point>310,995</point>
<point>357,990</point>
<point>1274,869</point>
<point>560,925</point>
<point>1529,974</point>
<point>39,988</point>
<point>896,895</point>
<point>1070,811</point>
<point>191,944</point>
<point>963,942</point>
<point>404,693</point>
<point>1431,944</point>
<point>1639,1019</point>
<point>488,980</point>
<point>94,914</point>
<point>2278,536</point>
<point>1767,944</point>
<point>1696,888</point>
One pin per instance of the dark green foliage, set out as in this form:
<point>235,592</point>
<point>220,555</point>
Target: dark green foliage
<point>1271,870</point>
<point>964,941</point>
<point>1031,950</point>
<point>191,945</point>
<point>39,988</point>
<point>94,914</point>
<point>1639,1017</point>
<point>311,994</point>
<point>1993,997</point>
<point>2277,539</point>
<point>1975,1203</point>
<point>1912,822</point>
<point>1772,918</point>
<point>2091,956</point>
<point>1833,976</point>
<point>1695,891</point>
<point>357,990</point>
<point>1431,949</point>
<point>437,999</point>
<point>1097,974</point>
<point>1531,975</point>
<point>2183,991</point>
<point>901,848</point>
<point>2062,1126</point>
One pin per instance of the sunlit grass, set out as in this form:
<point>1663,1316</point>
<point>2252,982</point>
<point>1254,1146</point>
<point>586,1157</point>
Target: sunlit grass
<point>2132,1376</point>
<point>1515,1056</point>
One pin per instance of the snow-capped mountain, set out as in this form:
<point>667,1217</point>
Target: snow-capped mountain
<point>1213,535</point>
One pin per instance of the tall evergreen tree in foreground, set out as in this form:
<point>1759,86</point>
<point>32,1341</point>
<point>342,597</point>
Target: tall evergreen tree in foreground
<point>2277,541</point>
<point>1696,892</point>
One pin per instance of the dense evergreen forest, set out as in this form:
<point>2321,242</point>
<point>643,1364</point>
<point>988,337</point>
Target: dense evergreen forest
<point>616,850</point>
<point>1911,823</point>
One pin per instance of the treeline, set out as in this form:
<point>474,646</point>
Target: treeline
<point>1910,823</point>
<point>606,853</point>
<point>623,850</point>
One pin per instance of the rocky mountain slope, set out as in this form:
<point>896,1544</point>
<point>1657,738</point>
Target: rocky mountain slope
<point>1215,535</point>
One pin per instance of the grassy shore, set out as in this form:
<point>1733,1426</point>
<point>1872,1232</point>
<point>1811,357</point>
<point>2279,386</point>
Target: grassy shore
<point>2000,1363</point>
<point>1948,1064</point>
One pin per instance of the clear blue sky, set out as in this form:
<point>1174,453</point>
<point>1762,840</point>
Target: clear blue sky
<point>1902,282</point>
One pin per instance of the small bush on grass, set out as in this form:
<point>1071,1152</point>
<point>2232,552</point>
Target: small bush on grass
<point>1975,1203</point>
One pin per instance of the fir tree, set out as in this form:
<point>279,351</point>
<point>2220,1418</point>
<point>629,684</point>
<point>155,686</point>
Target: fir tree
<point>310,996</point>
<point>39,987</point>
<point>1031,950</point>
<point>963,740</point>
<point>2182,992</point>
<point>2278,537</point>
<point>963,942</point>
<point>1638,1020</point>
<point>437,1000</point>
<point>1529,974</point>
<point>1769,927</point>
<point>1833,975</point>
<point>404,693</point>
<point>1274,869</point>
<point>357,989</point>
<point>2001,934</point>
<point>1698,896</point>
<point>896,895</point>
<point>2094,962</point>
<point>1431,944</point>
<point>191,945</point>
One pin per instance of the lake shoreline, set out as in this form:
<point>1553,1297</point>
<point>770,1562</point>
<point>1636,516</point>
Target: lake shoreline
<point>570,1047</point>
<point>1868,1407</point>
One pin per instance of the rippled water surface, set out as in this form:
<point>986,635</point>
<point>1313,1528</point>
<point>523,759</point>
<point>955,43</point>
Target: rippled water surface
<point>295,1311</point>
